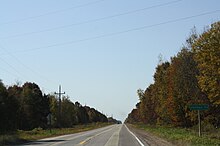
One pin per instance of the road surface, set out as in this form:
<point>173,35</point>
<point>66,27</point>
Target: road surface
<point>114,135</point>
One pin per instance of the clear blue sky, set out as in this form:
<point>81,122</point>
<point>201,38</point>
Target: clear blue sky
<point>100,51</point>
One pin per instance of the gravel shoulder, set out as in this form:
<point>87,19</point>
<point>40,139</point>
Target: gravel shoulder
<point>148,138</point>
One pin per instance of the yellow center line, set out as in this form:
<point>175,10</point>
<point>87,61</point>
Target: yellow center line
<point>88,139</point>
<point>81,143</point>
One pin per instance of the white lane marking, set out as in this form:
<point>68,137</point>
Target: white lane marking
<point>88,139</point>
<point>113,140</point>
<point>135,136</point>
<point>77,135</point>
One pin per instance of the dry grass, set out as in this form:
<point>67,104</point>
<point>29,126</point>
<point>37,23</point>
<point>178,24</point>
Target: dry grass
<point>21,136</point>
<point>185,137</point>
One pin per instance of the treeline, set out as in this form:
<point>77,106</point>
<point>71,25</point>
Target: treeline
<point>26,107</point>
<point>112,120</point>
<point>190,77</point>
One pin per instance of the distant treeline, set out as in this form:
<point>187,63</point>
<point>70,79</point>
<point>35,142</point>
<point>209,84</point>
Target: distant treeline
<point>190,77</point>
<point>26,107</point>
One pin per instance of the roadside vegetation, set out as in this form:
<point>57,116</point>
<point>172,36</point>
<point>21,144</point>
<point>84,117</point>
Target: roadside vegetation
<point>27,114</point>
<point>184,136</point>
<point>21,136</point>
<point>192,77</point>
<point>25,107</point>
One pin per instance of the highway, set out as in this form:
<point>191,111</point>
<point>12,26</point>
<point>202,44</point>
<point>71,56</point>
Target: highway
<point>114,135</point>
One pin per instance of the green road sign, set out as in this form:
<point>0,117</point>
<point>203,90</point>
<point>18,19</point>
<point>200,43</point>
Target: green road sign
<point>199,107</point>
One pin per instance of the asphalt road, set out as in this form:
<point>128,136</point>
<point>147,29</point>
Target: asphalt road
<point>114,135</point>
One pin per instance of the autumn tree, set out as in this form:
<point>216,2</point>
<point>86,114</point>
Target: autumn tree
<point>161,92</point>
<point>186,90</point>
<point>191,77</point>
<point>147,105</point>
<point>133,117</point>
<point>207,55</point>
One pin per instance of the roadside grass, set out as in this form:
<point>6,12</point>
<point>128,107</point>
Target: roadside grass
<point>20,136</point>
<point>184,137</point>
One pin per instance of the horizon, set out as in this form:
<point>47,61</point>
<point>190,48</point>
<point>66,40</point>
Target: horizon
<point>100,52</point>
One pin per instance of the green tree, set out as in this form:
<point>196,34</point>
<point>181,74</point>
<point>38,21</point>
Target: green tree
<point>95,116</point>
<point>82,115</point>
<point>3,107</point>
<point>14,93</point>
<point>34,106</point>
<point>68,113</point>
<point>53,105</point>
<point>8,110</point>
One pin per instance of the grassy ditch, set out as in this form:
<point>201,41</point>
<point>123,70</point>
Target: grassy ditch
<point>21,136</point>
<point>184,137</point>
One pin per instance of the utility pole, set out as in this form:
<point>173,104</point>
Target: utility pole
<point>59,106</point>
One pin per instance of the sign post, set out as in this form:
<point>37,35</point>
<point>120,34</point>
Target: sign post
<point>49,121</point>
<point>199,119</point>
<point>199,107</point>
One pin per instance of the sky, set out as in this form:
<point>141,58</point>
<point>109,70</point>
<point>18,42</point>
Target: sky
<point>99,51</point>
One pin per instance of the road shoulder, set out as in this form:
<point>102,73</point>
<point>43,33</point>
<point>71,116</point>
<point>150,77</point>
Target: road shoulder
<point>148,138</point>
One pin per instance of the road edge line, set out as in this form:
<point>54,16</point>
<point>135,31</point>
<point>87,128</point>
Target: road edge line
<point>135,136</point>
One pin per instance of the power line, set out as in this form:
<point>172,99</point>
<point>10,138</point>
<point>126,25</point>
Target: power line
<point>122,32</point>
<point>92,20</point>
<point>12,74</point>
<point>50,13</point>
<point>25,66</point>
<point>11,66</point>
